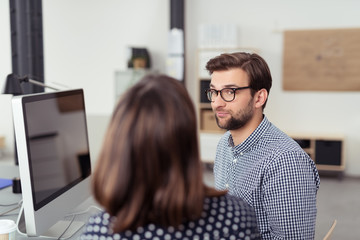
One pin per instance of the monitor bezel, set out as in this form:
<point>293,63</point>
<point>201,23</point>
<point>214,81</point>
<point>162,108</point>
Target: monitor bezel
<point>40,217</point>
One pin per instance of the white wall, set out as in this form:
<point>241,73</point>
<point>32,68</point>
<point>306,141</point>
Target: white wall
<point>85,42</point>
<point>5,68</point>
<point>258,24</point>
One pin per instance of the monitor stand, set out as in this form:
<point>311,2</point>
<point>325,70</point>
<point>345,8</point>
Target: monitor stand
<point>63,228</point>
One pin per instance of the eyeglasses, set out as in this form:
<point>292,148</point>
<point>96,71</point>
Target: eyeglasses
<point>227,94</point>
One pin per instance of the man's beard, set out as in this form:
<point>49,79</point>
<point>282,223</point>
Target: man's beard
<point>239,120</point>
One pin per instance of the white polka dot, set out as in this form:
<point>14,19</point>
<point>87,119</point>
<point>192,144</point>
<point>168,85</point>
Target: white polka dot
<point>235,227</point>
<point>248,224</point>
<point>201,222</point>
<point>206,236</point>
<point>218,225</point>
<point>102,238</point>
<point>167,236</point>
<point>160,232</point>
<point>140,229</point>
<point>96,228</point>
<point>208,227</point>
<point>188,232</point>
<point>227,222</point>
<point>211,220</point>
<point>97,220</point>
<point>105,222</point>
<point>178,235</point>
<point>199,230</point>
<point>148,234</point>
<point>106,216</point>
<point>191,224</point>
<point>136,237</point>
<point>241,234</point>
<point>181,227</point>
<point>151,227</point>
<point>171,229</point>
<point>127,233</point>
<point>103,230</point>
<point>222,210</point>
<point>221,217</point>
<point>89,228</point>
<point>213,212</point>
<point>116,236</point>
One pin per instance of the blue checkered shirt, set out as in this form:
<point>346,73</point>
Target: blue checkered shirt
<point>273,174</point>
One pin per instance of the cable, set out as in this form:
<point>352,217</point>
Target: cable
<point>69,225</point>
<point>71,221</point>
<point>76,214</point>
<point>8,205</point>
<point>85,211</point>
<point>12,209</point>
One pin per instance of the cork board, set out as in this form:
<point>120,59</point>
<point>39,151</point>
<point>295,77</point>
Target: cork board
<point>322,60</point>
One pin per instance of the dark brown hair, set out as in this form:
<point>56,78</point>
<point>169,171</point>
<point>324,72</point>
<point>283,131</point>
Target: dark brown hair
<point>149,168</point>
<point>254,65</point>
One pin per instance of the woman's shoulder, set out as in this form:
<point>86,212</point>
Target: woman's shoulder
<point>222,217</point>
<point>228,203</point>
<point>230,216</point>
<point>98,225</point>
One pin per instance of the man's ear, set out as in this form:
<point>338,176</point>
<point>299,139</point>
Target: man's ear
<point>260,98</point>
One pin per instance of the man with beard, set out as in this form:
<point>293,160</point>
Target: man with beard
<point>254,159</point>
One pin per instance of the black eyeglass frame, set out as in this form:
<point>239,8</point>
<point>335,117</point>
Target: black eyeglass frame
<point>211,90</point>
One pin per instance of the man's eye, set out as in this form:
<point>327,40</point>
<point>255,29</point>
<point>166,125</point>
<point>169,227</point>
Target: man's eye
<point>228,92</point>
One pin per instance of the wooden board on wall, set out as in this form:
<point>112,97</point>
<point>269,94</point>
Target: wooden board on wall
<point>322,60</point>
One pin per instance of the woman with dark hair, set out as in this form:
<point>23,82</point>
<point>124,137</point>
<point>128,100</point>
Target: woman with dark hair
<point>149,177</point>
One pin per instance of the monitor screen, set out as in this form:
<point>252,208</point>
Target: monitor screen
<point>53,152</point>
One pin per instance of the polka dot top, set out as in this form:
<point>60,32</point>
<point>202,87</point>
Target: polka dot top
<point>224,217</point>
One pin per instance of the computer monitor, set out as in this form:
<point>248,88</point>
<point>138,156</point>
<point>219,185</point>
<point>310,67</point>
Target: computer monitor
<point>54,160</point>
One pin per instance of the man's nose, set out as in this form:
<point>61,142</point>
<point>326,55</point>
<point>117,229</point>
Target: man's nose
<point>218,101</point>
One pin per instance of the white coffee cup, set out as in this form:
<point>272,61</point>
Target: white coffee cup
<point>7,229</point>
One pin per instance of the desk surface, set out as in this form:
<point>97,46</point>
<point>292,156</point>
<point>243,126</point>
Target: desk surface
<point>8,200</point>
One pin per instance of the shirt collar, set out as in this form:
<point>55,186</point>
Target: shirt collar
<point>252,139</point>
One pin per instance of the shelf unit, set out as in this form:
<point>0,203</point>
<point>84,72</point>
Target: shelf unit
<point>207,122</point>
<point>327,151</point>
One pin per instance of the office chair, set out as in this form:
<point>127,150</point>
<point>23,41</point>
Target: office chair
<point>330,232</point>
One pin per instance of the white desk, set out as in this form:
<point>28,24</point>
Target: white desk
<point>9,170</point>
